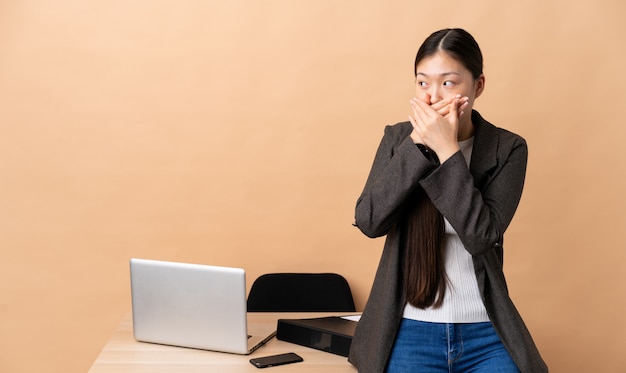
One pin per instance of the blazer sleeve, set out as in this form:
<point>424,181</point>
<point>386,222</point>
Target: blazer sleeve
<point>480,217</point>
<point>395,174</point>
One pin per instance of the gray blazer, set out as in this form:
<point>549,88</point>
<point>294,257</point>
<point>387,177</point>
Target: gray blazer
<point>479,203</point>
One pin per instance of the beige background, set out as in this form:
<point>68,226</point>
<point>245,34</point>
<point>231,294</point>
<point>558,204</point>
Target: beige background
<point>240,133</point>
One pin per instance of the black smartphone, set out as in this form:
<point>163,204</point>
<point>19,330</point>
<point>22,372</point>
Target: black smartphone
<point>271,361</point>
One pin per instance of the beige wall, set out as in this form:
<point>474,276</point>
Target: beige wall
<point>240,133</point>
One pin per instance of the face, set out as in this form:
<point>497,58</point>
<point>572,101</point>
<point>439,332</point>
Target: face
<point>440,77</point>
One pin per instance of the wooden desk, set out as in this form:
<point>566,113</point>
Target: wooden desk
<point>123,354</point>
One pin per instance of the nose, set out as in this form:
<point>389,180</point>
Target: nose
<point>435,95</point>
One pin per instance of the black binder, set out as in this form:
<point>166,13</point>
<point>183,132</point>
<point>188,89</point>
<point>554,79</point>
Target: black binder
<point>331,334</point>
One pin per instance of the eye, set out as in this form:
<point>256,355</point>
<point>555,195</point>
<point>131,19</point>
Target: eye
<point>422,84</point>
<point>448,83</point>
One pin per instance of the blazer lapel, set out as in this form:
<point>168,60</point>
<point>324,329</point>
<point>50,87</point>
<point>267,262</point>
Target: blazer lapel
<point>484,154</point>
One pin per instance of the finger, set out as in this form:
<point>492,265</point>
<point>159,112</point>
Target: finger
<point>415,135</point>
<point>443,111</point>
<point>424,109</point>
<point>414,118</point>
<point>418,109</point>
<point>442,108</point>
<point>462,108</point>
<point>453,118</point>
<point>424,117</point>
<point>454,108</point>
<point>442,105</point>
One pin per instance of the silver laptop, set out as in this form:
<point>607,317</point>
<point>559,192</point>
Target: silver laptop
<point>192,305</point>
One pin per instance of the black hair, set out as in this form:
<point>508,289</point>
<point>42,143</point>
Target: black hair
<point>457,43</point>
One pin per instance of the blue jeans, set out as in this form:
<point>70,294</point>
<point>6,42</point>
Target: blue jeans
<point>448,348</point>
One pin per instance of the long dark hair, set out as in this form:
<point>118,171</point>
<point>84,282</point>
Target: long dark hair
<point>458,44</point>
<point>424,266</point>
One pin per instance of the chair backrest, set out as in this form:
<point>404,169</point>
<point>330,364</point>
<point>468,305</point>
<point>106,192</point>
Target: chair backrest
<point>300,292</point>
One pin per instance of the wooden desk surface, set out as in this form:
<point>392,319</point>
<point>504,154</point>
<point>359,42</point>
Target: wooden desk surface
<point>123,353</point>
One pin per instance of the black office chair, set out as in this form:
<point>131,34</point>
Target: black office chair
<point>300,292</point>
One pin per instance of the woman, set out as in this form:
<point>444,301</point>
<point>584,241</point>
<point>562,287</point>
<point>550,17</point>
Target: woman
<point>444,187</point>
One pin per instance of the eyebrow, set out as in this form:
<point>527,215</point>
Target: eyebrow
<point>442,74</point>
